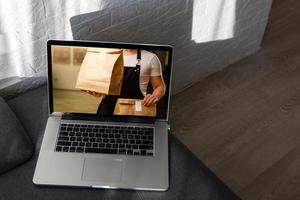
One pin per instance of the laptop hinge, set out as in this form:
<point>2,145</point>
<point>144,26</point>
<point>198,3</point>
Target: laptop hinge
<point>91,117</point>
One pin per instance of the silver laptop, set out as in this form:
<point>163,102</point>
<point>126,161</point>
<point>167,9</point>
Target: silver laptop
<point>108,112</point>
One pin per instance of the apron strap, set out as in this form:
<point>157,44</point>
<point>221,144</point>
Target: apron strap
<point>139,57</point>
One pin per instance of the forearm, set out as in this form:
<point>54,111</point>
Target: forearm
<point>159,92</point>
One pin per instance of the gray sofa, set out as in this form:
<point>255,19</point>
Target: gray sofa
<point>23,115</point>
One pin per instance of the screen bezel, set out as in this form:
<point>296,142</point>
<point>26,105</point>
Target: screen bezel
<point>101,44</point>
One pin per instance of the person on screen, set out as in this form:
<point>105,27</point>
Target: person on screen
<point>141,67</point>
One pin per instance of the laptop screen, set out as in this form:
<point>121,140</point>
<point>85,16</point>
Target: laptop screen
<point>109,78</point>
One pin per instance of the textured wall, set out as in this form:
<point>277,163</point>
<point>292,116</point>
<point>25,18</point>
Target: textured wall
<point>207,35</point>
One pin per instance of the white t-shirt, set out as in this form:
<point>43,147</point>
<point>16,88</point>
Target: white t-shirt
<point>150,66</point>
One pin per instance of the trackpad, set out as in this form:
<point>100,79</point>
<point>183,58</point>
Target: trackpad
<point>102,170</point>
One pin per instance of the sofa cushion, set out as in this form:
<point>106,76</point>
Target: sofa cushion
<point>15,145</point>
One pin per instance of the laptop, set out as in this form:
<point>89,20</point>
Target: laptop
<point>108,113</point>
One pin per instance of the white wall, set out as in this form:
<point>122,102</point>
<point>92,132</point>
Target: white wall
<point>207,35</point>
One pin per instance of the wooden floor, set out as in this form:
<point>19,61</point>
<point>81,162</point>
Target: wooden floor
<point>244,122</point>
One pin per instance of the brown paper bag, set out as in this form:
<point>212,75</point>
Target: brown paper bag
<point>101,71</point>
<point>133,107</point>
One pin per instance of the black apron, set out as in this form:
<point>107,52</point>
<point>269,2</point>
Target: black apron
<point>130,89</point>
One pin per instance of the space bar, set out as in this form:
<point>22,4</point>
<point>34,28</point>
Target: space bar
<point>100,150</point>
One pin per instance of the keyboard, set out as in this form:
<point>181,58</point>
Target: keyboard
<point>113,139</point>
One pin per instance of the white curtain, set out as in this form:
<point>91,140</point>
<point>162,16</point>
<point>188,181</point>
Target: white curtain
<point>26,25</point>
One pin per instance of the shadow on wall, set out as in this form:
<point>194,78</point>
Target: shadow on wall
<point>207,35</point>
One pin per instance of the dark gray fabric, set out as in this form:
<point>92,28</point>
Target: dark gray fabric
<point>189,178</point>
<point>15,145</point>
<point>31,108</point>
<point>4,83</point>
<point>22,86</point>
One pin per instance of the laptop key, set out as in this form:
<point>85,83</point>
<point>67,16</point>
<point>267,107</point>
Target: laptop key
<point>92,135</point>
<point>78,134</point>
<point>119,141</point>
<point>84,134</point>
<point>150,137</point>
<point>112,140</point>
<point>79,149</point>
<point>63,138</point>
<point>101,145</point>
<point>58,148</point>
<point>95,130</point>
<point>137,137</point>
<point>122,151</point>
<point>148,133</point>
<point>125,141</point>
<point>72,133</point>
<point>65,149</point>
<point>64,143</point>
<point>81,144</point>
<point>143,152</point>
<point>63,133</point>
<point>138,141</point>
<point>101,150</point>
<point>72,149</point>
<point>75,144</point>
<point>144,137</point>
<point>98,135</point>
<point>147,142</point>
<point>102,130</point>
<point>130,136</point>
<point>88,144</point>
<point>145,147</point>
<point>104,135</point>
<point>95,145</point>
<point>132,141</point>
<point>88,130</point>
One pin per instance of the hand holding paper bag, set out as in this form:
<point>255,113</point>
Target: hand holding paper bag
<point>101,71</point>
